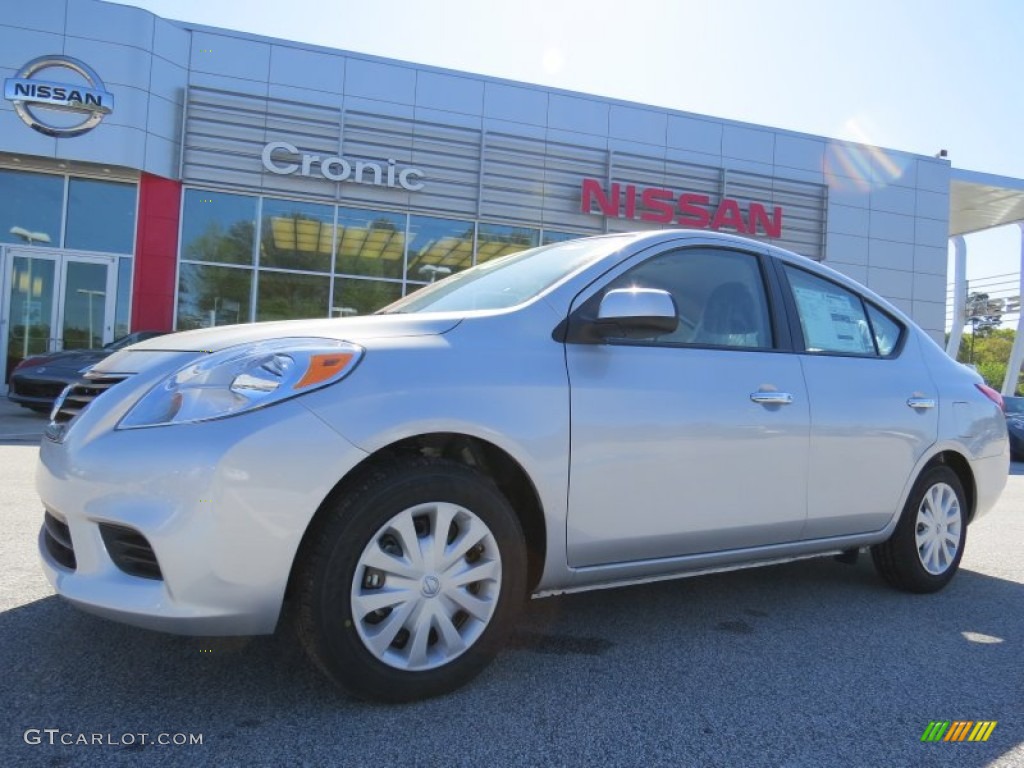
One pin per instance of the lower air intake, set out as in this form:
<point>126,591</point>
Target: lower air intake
<point>130,551</point>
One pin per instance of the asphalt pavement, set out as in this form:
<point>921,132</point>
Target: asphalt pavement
<point>808,664</point>
<point>17,424</point>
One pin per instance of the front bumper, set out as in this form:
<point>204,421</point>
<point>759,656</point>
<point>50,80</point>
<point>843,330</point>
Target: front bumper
<point>34,392</point>
<point>223,504</point>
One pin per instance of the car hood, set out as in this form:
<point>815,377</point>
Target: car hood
<point>71,361</point>
<point>347,329</point>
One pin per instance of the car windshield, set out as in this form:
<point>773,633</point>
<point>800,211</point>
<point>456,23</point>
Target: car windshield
<point>131,338</point>
<point>508,281</point>
<point>1014,405</point>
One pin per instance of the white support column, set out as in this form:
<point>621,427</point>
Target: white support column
<point>956,331</point>
<point>1017,353</point>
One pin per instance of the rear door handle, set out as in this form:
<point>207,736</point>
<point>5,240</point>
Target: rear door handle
<point>772,398</point>
<point>921,403</point>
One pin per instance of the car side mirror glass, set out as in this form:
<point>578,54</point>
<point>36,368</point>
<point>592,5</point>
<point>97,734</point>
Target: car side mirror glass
<point>636,313</point>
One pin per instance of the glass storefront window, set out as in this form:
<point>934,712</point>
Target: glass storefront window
<point>218,227</point>
<point>438,247</point>
<point>287,296</point>
<point>495,240</point>
<point>101,216</point>
<point>209,296</point>
<point>377,256</point>
<point>370,243</point>
<point>553,236</point>
<point>296,235</point>
<point>122,307</point>
<point>353,296</point>
<point>84,305</point>
<point>30,208</point>
<point>30,309</point>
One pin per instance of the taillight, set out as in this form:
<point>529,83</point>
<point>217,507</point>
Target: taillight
<point>992,395</point>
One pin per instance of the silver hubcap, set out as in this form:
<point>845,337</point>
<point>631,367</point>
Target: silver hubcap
<point>938,529</point>
<point>426,586</point>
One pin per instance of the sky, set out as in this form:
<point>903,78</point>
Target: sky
<point>912,75</point>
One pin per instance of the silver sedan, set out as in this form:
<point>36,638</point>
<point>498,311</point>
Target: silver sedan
<point>593,413</point>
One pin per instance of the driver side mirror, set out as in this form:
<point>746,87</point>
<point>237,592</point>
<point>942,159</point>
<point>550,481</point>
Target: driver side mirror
<point>635,313</point>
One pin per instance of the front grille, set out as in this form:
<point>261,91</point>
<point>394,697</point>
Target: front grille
<point>130,551</point>
<point>83,392</point>
<point>57,538</point>
<point>41,389</point>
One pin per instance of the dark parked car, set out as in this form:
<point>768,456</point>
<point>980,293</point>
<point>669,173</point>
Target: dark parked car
<point>1015,426</point>
<point>37,381</point>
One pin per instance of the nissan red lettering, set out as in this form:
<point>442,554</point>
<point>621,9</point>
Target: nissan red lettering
<point>688,209</point>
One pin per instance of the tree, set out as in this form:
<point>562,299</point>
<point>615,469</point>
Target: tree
<point>991,354</point>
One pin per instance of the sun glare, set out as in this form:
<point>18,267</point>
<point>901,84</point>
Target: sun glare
<point>553,60</point>
<point>858,161</point>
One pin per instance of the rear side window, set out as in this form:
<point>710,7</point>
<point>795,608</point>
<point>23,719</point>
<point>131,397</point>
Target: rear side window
<point>833,319</point>
<point>887,331</point>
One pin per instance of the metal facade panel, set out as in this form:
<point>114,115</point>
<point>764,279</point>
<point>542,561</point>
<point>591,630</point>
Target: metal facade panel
<point>466,172</point>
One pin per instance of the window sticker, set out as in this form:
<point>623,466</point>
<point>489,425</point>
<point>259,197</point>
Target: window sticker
<point>832,322</point>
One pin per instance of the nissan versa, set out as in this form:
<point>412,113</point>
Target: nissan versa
<point>598,412</point>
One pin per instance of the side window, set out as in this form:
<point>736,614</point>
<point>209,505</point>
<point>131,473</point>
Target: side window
<point>886,330</point>
<point>832,318</point>
<point>719,293</point>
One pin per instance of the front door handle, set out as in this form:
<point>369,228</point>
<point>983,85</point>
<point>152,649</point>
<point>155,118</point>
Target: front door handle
<point>921,403</point>
<point>772,398</point>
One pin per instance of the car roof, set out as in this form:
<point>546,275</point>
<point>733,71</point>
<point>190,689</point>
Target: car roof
<point>657,237</point>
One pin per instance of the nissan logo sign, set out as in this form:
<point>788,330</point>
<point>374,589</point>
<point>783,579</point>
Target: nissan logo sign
<point>57,107</point>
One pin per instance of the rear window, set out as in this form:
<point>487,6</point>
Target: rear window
<point>835,320</point>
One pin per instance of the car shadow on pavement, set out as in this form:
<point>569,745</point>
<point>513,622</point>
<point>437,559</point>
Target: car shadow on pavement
<point>722,669</point>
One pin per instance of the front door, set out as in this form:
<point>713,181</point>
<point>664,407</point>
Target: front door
<point>695,441</point>
<point>53,301</point>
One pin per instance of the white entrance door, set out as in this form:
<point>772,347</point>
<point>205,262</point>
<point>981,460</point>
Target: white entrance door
<point>55,300</point>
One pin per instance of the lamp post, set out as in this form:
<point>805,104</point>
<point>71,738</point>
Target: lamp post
<point>434,270</point>
<point>90,294</point>
<point>30,237</point>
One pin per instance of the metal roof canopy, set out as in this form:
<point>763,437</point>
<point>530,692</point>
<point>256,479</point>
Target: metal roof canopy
<point>979,201</point>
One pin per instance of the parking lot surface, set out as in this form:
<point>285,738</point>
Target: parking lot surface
<point>806,664</point>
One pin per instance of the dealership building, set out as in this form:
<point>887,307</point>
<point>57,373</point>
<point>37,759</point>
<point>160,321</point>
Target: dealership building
<point>156,174</point>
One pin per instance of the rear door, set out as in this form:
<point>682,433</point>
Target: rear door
<point>873,406</point>
<point>679,443</point>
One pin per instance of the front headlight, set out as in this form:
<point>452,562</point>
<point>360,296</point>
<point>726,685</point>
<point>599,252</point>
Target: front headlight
<point>242,378</point>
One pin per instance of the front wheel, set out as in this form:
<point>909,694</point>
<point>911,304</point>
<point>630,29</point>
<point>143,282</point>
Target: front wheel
<point>924,551</point>
<point>409,584</point>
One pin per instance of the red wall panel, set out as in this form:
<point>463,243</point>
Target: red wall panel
<point>156,254</point>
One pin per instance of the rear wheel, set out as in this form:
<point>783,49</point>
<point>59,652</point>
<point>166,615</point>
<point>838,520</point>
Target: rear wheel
<point>409,584</point>
<point>924,551</point>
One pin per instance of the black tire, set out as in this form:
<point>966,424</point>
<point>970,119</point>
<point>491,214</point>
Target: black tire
<point>329,563</point>
<point>899,560</point>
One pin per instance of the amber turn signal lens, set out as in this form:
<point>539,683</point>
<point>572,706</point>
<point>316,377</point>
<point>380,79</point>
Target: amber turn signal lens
<point>323,367</point>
